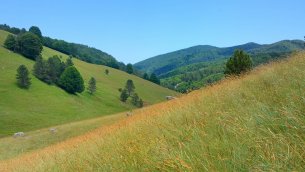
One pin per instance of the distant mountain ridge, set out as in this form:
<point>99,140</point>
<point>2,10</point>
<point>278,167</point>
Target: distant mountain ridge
<point>201,53</point>
<point>173,67</point>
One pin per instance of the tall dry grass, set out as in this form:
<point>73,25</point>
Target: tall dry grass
<point>252,123</point>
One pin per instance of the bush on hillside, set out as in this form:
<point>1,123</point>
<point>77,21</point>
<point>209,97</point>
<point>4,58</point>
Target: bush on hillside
<point>239,63</point>
<point>106,71</point>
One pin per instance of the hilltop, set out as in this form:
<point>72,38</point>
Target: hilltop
<point>47,105</point>
<point>194,67</point>
<point>250,123</point>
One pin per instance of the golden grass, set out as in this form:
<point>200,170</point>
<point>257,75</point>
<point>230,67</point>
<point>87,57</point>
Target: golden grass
<point>252,123</point>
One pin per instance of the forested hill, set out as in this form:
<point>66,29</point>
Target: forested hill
<point>194,67</point>
<point>166,62</point>
<point>80,51</point>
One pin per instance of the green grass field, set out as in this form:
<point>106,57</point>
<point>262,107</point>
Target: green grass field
<point>46,105</point>
<point>252,123</point>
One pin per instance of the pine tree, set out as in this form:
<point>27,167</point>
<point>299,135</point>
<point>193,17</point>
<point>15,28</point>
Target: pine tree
<point>239,63</point>
<point>40,70</point>
<point>124,95</point>
<point>129,87</point>
<point>135,99</point>
<point>23,79</point>
<point>91,85</point>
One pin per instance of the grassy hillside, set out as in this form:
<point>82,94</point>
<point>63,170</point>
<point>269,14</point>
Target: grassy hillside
<point>46,105</point>
<point>252,123</point>
<point>191,67</point>
<point>41,138</point>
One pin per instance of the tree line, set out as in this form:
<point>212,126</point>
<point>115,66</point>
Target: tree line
<point>29,45</point>
<point>152,78</point>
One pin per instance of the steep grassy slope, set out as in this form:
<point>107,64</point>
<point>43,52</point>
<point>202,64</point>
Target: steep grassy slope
<point>44,105</point>
<point>11,147</point>
<point>252,123</point>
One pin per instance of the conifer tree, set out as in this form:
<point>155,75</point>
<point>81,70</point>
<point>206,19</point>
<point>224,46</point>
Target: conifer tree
<point>240,62</point>
<point>40,70</point>
<point>23,79</point>
<point>124,95</point>
<point>135,99</point>
<point>91,85</point>
<point>129,87</point>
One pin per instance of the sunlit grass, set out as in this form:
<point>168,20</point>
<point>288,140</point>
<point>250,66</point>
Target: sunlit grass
<point>33,140</point>
<point>252,123</point>
<point>45,105</point>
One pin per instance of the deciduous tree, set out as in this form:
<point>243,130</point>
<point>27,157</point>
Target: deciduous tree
<point>71,80</point>
<point>11,42</point>
<point>35,30</point>
<point>29,45</point>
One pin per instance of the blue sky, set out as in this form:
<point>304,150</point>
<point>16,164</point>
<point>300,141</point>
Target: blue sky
<point>133,30</point>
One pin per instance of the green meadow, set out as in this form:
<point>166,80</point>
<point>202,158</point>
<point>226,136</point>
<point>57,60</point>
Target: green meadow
<point>46,105</point>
